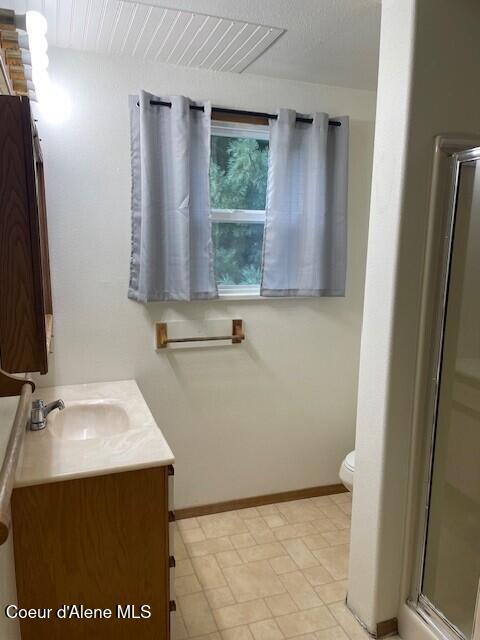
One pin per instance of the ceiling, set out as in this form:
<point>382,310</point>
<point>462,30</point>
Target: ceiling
<point>325,41</point>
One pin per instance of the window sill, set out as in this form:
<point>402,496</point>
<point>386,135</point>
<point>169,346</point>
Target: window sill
<point>252,293</point>
<point>239,292</point>
<point>226,297</point>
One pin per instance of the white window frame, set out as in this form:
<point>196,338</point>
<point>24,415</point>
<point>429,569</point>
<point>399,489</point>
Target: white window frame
<point>239,130</point>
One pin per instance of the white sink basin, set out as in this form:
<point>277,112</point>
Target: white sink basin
<point>88,419</point>
<point>105,428</point>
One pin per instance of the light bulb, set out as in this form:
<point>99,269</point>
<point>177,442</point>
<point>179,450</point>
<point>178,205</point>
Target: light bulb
<point>36,23</point>
<point>26,57</point>
<point>23,41</point>
<point>31,22</point>
<point>27,72</point>
<point>37,43</point>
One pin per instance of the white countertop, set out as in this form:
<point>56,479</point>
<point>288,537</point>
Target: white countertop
<point>48,458</point>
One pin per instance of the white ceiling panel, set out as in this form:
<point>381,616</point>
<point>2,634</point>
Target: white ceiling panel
<point>61,35</point>
<point>169,34</point>
<point>200,30</point>
<point>183,38</point>
<point>124,23</point>
<point>80,16</point>
<point>130,24</point>
<point>157,33</point>
<point>211,36</point>
<point>246,40</point>
<point>325,41</point>
<point>107,26</point>
<point>246,55</point>
<point>143,30</point>
<point>92,26</point>
<point>221,43</point>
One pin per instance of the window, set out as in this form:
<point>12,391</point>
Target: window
<point>238,185</point>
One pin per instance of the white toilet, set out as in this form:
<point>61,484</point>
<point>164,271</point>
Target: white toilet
<point>347,469</point>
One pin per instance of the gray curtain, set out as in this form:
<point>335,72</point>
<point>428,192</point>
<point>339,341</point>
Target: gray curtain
<point>304,250</point>
<point>172,253</point>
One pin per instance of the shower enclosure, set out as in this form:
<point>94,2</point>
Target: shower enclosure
<point>448,580</point>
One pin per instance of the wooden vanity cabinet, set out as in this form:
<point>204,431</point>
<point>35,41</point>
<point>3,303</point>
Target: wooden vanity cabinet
<point>26,302</point>
<point>100,542</point>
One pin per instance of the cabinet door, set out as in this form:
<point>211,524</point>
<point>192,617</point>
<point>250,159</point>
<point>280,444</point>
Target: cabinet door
<point>22,311</point>
<point>100,542</point>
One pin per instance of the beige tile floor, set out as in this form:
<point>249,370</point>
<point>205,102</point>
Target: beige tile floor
<point>268,573</point>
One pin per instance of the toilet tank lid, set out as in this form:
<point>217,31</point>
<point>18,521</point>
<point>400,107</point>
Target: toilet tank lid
<point>350,461</point>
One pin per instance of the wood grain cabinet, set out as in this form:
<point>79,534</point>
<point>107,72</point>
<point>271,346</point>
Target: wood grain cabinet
<point>26,302</point>
<point>101,542</point>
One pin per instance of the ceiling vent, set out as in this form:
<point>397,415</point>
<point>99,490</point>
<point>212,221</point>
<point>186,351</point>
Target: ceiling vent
<point>154,33</point>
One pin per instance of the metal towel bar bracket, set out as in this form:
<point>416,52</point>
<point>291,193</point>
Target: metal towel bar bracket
<point>162,340</point>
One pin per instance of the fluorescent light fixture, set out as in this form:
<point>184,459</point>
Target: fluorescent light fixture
<point>32,22</point>
<point>23,42</point>
<point>26,57</point>
<point>27,72</point>
<point>53,101</point>
<point>33,43</point>
<point>37,44</point>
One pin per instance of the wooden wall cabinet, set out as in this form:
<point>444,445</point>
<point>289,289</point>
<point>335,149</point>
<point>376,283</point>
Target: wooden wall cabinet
<point>99,542</point>
<point>25,294</point>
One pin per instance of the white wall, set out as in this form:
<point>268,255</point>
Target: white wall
<point>274,414</point>
<point>429,62</point>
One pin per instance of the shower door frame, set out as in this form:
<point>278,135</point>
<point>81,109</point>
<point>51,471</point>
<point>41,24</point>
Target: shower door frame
<point>434,618</point>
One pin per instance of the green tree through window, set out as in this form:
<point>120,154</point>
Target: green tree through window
<point>238,182</point>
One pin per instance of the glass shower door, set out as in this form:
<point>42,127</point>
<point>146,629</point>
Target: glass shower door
<point>451,561</point>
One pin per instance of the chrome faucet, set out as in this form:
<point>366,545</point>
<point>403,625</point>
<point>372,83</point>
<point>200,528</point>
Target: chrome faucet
<point>40,411</point>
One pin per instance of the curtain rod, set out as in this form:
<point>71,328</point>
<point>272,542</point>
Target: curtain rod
<point>240,112</point>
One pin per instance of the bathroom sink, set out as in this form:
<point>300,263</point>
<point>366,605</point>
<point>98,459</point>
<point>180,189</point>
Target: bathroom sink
<point>105,428</point>
<point>88,419</point>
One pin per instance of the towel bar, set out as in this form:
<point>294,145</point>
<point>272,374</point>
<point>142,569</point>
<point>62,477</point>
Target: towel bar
<point>162,339</point>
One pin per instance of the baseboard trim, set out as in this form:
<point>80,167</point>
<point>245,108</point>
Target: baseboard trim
<point>387,628</point>
<point>258,501</point>
<point>382,629</point>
